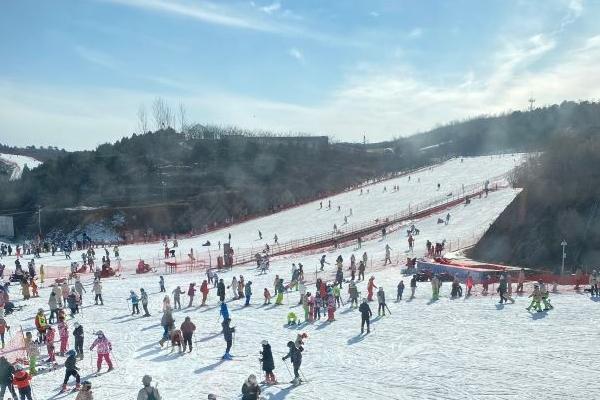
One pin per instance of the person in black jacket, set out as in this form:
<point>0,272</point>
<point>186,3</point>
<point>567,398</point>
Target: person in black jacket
<point>71,370</point>
<point>250,389</point>
<point>6,378</point>
<point>78,334</point>
<point>365,314</point>
<point>221,290</point>
<point>295,356</point>
<point>228,336</point>
<point>268,364</point>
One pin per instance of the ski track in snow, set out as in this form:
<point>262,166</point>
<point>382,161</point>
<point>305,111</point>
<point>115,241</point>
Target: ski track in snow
<point>449,349</point>
<point>19,163</point>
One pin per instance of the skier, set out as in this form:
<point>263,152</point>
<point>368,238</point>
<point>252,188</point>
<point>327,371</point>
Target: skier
<point>161,284</point>
<point>259,235</point>
<point>71,370</point>
<point>387,255</point>
<point>248,293</point>
<point>221,290</point>
<point>144,298</point>
<point>544,293</point>
<point>330,307</point>
<point>337,295</point>
<point>339,276</point>
<point>6,378</point>
<point>103,351</point>
<point>400,291</point>
<point>148,392</point>
<point>370,287</point>
<point>50,344</point>
<point>323,262</point>
<point>234,287</point>
<point>280,291</point>
<point>240,287</point>
<point>302,290</point>
<point>469,284</point>
<point>295,356</point>
<point>191,291</point>
<point>411,242</point>
<point>97,290</point>
<point>22,380</point>
<point>204,290</point>
<point>78,335</point>
<point>536,299</point>
<point>520,280</point>
<point>365,315</point>
<point>168,323</point>
<point>381,301</point>
<point>250,389</point>
<point>177,298</point>
<point>268,364</point>
<point>79,287</point>
<point>135,308</point>
<point>224,312</point>
<point>63,334</point>
<point>456,289</point>
<point>353,294</point>
<point>187,330</point>
<point>267,296</point>
<point>41,324</point>
<point>361,271</point>
<point>228,336</point>
<point>33,353</point>
<point>435,288</point>
<point>502,289</point>
<point>594,284</point>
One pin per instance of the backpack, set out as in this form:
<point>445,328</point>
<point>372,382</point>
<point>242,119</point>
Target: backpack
<point>151,395</point>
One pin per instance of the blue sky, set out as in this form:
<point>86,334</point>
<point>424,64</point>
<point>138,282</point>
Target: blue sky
<point>75,73</point>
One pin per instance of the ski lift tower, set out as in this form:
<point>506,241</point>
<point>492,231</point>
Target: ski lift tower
<point>564,255</point>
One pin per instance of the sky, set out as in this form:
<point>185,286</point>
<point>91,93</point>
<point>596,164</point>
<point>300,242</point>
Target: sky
<point>75,73</point>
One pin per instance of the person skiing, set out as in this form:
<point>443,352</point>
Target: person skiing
<point>6,378</point>
<point>148,392</point>
<point>21,379</point>
<point>250,389</point>
<point>204,290</point>
<point>456,289</point>
<point>168,323</point>
<point>536,299</point>
<point>97,290</point>
<point>33,354</point>
<point>469,284</point>
<point>435,288</point>
<point>387,254</point>
<point>248,293</point>
<point>191,292</point>
<point>221,290</point>
<point>545,294</point>
<point>323,262</point>
<point>234,287</point>
<point>400,291</point>
<point>280,292</point>
<point>268,364</point>
<point>267,296</point>
<point>330,307</point>
<point>339,276</point>
<point>72,302</point>
<point>520,280</point>
<point>187,330</point>
<point>161,284</point>
<point>50,333</point>
<point>78,336</point>
<point>135,308</point>
<point>144,298</point>
<point>370,287</point>
<point>177,298</point>
<point>295,356</point>
<point>224,311</point>
<point>79,287</point>
<point>411,242</point>
<point>228,336</point>
<point>63,334</point>
<point>361,271</point>
<point>104,347</point>
<point>381,301</point>
<point>502,289</point>
<point>365,315</point>
<point>41,324</point>
<point>353,294</point>
<point>594,283</point>
<point>71,370</point>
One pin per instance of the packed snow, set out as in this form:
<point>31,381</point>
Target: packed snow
<point>448,349</point>
<point>19,162</point>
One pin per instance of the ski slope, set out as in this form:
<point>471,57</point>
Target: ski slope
<point>450,349</point>
<point>19,162</point>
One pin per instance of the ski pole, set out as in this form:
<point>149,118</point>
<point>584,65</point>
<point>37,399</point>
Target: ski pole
<point>288,369</point>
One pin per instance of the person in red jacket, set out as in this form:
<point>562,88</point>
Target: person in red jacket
<point>370,288</point>
<point>21,380</point>
<point>50,344</point>
<point>204,290</point>
<point>469,284</point>
<point>187,329</point>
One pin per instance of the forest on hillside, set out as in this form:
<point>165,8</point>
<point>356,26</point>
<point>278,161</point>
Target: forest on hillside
<point>560,201</point>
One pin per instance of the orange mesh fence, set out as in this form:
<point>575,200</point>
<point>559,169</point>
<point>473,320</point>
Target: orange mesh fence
<point>14,349</point>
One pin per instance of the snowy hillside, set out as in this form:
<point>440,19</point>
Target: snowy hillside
<point>19,163</point>
<point>452,349</point>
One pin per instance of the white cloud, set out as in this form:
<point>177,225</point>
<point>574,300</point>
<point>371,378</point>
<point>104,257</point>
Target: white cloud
<point>271,8</point>
<point>415,33</point>
<point>96,57</point>
<point>296,53</point>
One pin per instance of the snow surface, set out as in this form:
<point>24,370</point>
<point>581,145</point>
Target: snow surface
<point>19,163</point>
<point>450,349</point>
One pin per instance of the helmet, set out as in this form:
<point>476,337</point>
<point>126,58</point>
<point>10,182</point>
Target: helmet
<point>146,380</point>
<point>264,343</point>
<point>71,353</point>
<point>41,310</point>
<point>100,333</point>
<point>290,344</point>
<point>76,325</point>
<point>18,367</point>
<point>87,384</point>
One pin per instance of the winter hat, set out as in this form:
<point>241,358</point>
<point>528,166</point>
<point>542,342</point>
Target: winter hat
<point>290,344</point>
<point>264,342</point>
<point>212,397</point>
<point>18,367</point>
<point>41,310</point>
<point>100,333</point>
<point>252,379</point>
<point>146,380</point>
<point>71,353</point>
<point>76,324</point>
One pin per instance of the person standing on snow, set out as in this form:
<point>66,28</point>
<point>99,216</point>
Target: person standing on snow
<point>370,287</point>
<point>177,298</point>
<point>63,334</point>
<point>234,287</point>
<point>144,298</point>
<point>104,347</point>
<point>469,284</point>
<point>268,364</point>
<point>365,316</point>
<point>435,288</point>
<point>50,344</point>
<point>228,336</point>
<point>361,271</point>
<point>6,378</point>
<point>353,294</point>
<point>71,370</point>
<point>97,290</point>
<point>224,312</point>
<point>135,308</point>
<point>161,284</point>
<point>400,291</point>
<point>544,293</point>
<point>78,335</point>
<point>250,389</point>
<point>187,330</point>
<point>248,293</point>
<point>221,290</point>
<point>594,283</point>
<point>536,299</point>
<point>387,255</point>
<point>520,280</point>
<point>148,392</point>
<point>204,290</point>
<point>79,287</point>
<point>22,380</point>
<point>381,301</point>
<point>191,292</point>
<point>295,356</point>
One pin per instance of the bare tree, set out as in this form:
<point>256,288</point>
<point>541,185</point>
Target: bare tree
<point>182,117</point>
<point>142,119</point>
<point>162,114</point>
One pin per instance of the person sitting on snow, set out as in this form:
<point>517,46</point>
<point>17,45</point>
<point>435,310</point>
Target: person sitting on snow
<point>292,318</point>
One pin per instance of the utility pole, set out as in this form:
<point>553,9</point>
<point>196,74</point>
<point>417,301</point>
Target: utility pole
<point>40,221</point>
<point>531,103</point>
<point>564,255</point>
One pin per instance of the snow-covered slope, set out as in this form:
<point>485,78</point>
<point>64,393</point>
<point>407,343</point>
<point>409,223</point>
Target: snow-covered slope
<point>19,163</point>
<point>450,349</point>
